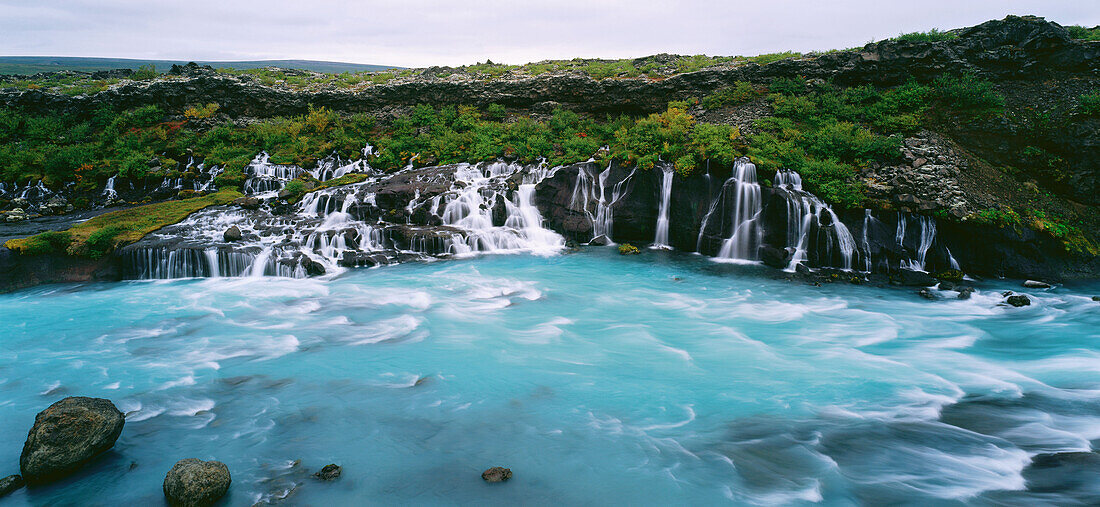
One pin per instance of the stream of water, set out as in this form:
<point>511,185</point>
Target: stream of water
<point>599,379</point>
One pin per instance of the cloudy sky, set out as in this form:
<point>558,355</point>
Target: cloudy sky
<point>447,32</point>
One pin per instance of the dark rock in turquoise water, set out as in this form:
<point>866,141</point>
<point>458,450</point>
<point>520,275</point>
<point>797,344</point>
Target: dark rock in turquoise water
<point>313,268</point>
<point>1018,300</point>
<point>1066,472</point>
<point>1096,298</point>
<point>927,294</point>
<point>232,234</point>
<point>194,483</point>
<point>777,258</point>
<point>966,292</point>
<point>497,474</point>
<point>947,285</point>
<point>329,472</point>
<point>600,240</point>
<point>10,484</point>
<point>912,278</point>
<point>67,435</point>
<point>1035,284</point>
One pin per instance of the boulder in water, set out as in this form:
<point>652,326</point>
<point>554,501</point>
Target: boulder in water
<point>777,258</point>
<point>966,292</point>
<point>313,268</point>
<point>232,234</point>
<point>947,285</point>
<point>1018,300</point>
<point>926,294</point>
<point>1096,298</point>
<point>913,278</point>
<point>67,435</point>
<point>497,474</point>
<point>600,240</point>
<point>329,472</point>
<point>248,202</point>
<point>10,484</point>
<point>1035,284</point>
<point>193,482</point>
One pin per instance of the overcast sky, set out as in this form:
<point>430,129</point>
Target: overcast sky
<point>415,33</point>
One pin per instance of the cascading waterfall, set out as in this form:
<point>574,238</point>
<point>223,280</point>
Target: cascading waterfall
<point>804,212</point>
<point>745,191</point>
<point>868,221</point>
<point>660,240</point>
<point>594,189</point>
<point>925,241</point>
<point>109,190</point>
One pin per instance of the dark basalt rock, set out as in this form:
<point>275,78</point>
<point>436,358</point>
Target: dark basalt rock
<point>313,268</point>
<point>232,234</point>
<point>1063,471</point>
<point>600,240</point>
<point>497,474</point>
<point>195,483</point>
<point>10,484</point>
<point>927,294</point>
<point>329,472</point>
<point>249,203</point>
<point>966,292</point>
<point>1018,300</point>
<point>1035,284</point>
<point>777,258</point>
<point>911,278</point>
<point>67,435</point>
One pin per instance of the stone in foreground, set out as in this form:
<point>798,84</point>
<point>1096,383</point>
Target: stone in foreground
<point>329,472</point>
<point>497,474</point>
<point>67,435</point>
<point>196,483</point>
<point>1018,300</point>
<point>10,484</point>
<point>1035,284</point>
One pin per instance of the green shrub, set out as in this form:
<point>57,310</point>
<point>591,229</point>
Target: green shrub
<point>1082,33</point>
<point>101,242</point>
<point>295,187</point>
<point>968,95</point>
<point>46,242</point>
<point>740,93</point>
<point>145,73</point>
<point>1089,104</point>
<point>933,35</point>
<point>495,112</point>
<point>628,249</point>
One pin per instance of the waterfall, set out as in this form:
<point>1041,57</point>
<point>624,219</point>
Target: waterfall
<point>589,188</point>
<point>868,220</point>
<point>109,190</point>
<point>745,191</point>
<point>926,239</point>
<point>805,212</point>
<point>660,240</point>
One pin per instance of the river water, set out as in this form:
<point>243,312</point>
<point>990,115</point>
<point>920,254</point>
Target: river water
<point>662,378</point>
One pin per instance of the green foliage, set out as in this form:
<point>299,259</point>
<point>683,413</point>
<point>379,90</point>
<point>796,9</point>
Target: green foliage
<point>102,241</point>
<point>1089,104</point>
<point>495,112</point>
<point>1082,33</point>
<point>773,57</point>
<point>740,93</point>
<point>996,217</point>
<point>295,187</point>
<point>967,95</point>
<point>628,249</point>
<point>933,35</point>
<point>145,73</point>
<point>46,243</point>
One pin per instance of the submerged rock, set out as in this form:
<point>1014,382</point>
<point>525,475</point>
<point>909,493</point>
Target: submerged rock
<point>313,268</point>
<point>1018,300</point>
<point>966,292</point>
<point>232,234</point>
<point>913,278</point>
<point>67,435</point>
<point>1035,284</point>
<point>497,474</point>
<point>600,240</point>
<point>777,258</point>
<point>10,484</point>
<point>193,482</point>
<point>927,294</point>
<point>329,472</point>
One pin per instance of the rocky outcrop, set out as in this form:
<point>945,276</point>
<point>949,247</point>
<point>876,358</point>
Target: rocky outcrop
<point>10,484</point>
<point>67,435</point>
<point>195,483</point>
<point>497,474</point>
<point>21,271</point>
<point>329,472</point>
<point>1012,48</point>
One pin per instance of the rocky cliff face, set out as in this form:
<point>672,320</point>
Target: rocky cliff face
<point>1016,48</point>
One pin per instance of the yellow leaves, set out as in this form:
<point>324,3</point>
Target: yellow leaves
<point>200,112</point>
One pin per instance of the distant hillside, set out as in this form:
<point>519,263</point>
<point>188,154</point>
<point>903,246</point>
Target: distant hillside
<point>27,65</point>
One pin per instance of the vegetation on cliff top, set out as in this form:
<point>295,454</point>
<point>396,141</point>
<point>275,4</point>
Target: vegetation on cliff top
<point>102,234</point>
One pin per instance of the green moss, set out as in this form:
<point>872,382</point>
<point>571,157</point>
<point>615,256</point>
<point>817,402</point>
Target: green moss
<point>102,234</point>
<point>933,35</point>
<point>628,249</point>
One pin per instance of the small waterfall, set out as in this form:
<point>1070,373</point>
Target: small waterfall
<point>109,190</point>
<point>805,213</point>
<point>745,191</point>
<point>868,221</point>
<point>661,238</point>
<point>925,240</point>
<point>594,189</point>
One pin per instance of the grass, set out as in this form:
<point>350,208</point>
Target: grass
<point>933,35</point>
<point>1083,33</point>
<point>104,233</point>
